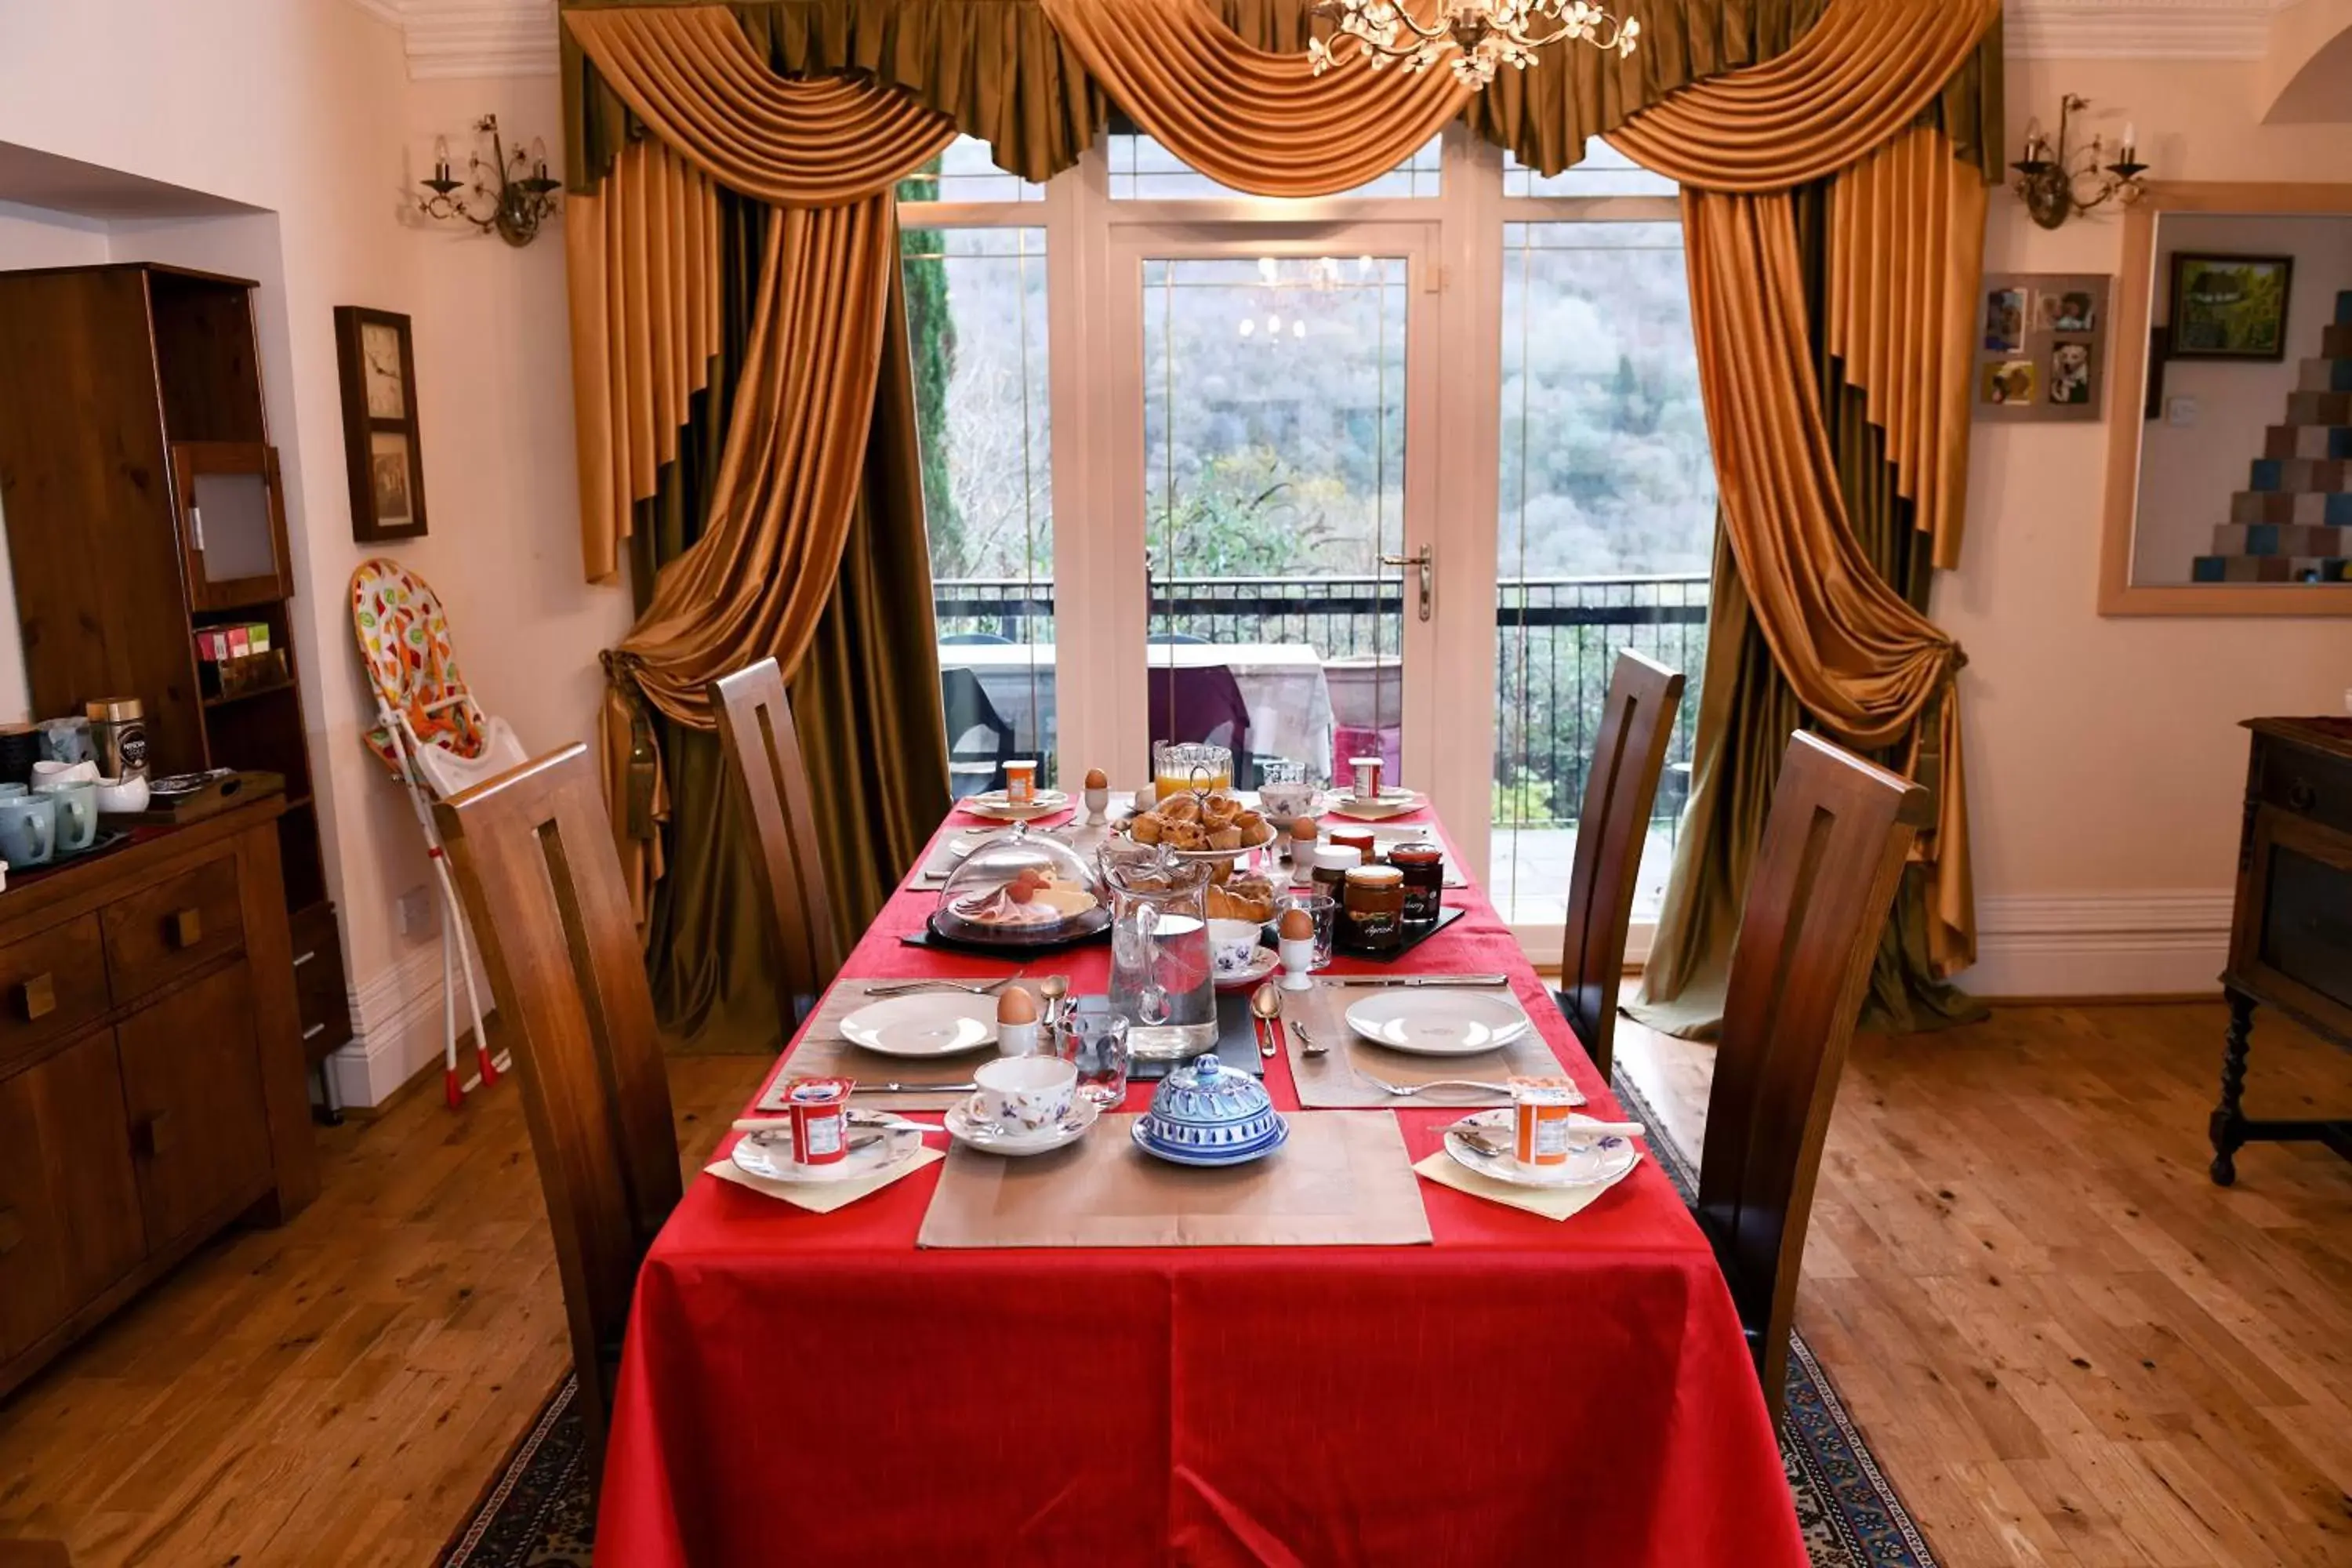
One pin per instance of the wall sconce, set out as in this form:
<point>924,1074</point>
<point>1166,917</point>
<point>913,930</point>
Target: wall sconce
<point>521,199</point>
<point>2050,183</point>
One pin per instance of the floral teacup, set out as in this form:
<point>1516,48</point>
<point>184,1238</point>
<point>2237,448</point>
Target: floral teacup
<point>1024,1094</point>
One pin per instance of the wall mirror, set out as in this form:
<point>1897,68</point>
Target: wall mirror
<point>2230,434</point>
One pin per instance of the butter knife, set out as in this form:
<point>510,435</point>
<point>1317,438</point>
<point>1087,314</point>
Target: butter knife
<point>1416,980</point>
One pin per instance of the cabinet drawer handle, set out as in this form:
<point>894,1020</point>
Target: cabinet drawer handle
<point>12,1231</point>
<point>151,1136</point>
<point>188,928</point>
<point>2302,796</point>
<point>302,958</point>
<point>314,1031</point>
<point>40,996</point>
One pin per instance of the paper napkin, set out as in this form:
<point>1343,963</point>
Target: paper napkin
<point>820,1197</point>
<point>1552,1203</point>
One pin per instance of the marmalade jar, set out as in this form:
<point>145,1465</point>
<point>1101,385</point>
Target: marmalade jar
<point>1423,866</point>
<point>1372,913</point>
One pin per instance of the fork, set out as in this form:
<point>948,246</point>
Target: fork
<point>1407,1091</point>
<point>970,987</point>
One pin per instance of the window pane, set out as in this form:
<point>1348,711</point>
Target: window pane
<point>1606,533</point>
<point>1143,170</point>
<point>1274,436</point>
<point>1603,172</point>
<point>976,325</point>
<point>967,172</point>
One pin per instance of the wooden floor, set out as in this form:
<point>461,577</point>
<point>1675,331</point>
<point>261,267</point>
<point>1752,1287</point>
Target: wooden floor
<point>2065,1345</point>
<point>336,1391</point>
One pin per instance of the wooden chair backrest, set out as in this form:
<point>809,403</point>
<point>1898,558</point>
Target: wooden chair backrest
<point>1637,723</point>
<point>533,854</point>
<point>764,755</point>
<point>1833,852</point>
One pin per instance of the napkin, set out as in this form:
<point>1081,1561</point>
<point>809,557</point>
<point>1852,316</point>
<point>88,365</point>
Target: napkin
<point>821,1198</point>
<point>1552,1203</point>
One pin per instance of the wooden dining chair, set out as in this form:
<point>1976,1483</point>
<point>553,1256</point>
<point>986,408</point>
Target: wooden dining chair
<point>1620,788</point>
<point>1818,897</point>
<point>763,757</point>
<point>533,854</point>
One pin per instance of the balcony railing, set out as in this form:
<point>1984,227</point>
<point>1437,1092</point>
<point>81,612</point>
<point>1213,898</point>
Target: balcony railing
<point>1556,639</point>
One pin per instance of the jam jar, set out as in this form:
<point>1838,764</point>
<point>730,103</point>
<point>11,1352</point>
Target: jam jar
<point>1423,866</point>
<point>1371,916</point>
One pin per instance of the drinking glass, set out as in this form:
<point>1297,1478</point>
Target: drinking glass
<point>1095,1042</point>
<point>1322,908</point>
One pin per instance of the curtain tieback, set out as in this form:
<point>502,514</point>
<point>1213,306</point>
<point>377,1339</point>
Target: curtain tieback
<point>645,755</point>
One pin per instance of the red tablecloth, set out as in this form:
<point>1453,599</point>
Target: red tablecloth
<point>812,1388</point>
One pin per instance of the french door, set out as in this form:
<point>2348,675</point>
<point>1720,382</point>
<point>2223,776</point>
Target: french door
<point>1271,560</point>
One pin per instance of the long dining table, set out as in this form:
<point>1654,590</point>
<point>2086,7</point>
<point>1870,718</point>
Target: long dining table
<point>815,1387</point>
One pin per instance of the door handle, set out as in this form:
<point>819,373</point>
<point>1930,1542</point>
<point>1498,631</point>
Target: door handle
<point>1426,559</point>
<point>196,525</point>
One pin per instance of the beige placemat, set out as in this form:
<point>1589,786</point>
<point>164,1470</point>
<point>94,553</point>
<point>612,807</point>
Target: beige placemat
<point>820,1197</point>
<point>1335,1077</point>
<point>823,1053</point>
<point>1552,1203</point>
<point>1343,1180</point>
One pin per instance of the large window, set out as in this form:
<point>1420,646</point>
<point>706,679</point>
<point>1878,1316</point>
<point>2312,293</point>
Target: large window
<point>1276,431</point>
<point>1606,528</point>
<point>976,324</point>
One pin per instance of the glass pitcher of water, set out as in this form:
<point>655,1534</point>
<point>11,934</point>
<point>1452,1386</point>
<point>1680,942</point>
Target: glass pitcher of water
<point>1162,975</point>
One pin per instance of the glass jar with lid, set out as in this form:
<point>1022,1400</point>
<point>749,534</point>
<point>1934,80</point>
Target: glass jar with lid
<point>1371,911</point>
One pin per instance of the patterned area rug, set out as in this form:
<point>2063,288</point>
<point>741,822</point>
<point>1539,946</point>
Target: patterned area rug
<point>541,1508</point>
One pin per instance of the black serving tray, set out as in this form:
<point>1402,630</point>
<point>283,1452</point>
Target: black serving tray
<point>107,839</point>
<point>1237,1046</point>
<point>1096,923</point>
<point>1413,937</point>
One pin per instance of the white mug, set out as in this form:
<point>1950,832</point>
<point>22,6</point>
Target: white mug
<point>1024,1094</point>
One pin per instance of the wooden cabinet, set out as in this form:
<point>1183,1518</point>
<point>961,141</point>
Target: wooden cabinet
<point>68,1228</point>
<point>191,1091</point>
<point>143,504</point>
<point>2290,934</point>
<point>151,1070</point>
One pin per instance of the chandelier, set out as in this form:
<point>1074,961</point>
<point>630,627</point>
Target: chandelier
<point>1482,34</point>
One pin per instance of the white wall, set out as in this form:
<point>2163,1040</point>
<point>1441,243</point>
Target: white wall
<point>303,108</point>
<point>2106,766</point>
<point>2188,472</point>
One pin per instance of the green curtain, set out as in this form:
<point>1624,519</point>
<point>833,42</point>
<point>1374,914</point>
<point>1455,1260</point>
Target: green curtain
<point>1746,711</point>
<point>705,950</point>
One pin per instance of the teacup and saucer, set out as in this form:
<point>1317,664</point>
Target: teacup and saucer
<point>1025,1105</point>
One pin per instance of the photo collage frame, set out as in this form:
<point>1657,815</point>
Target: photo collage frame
<point>2040,347</point>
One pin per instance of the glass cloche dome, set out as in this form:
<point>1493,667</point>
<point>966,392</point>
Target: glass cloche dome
<point>1020,888</point>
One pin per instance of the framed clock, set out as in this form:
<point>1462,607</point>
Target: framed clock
<point>379,442</point>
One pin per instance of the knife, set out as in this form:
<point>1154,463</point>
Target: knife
<point>1413,980</point>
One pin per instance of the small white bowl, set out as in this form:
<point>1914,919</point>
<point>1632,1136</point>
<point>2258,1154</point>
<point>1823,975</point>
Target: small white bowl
<point>122,796</point>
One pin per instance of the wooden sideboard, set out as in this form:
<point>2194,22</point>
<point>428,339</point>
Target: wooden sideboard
<point>2290,936</point>
<point>152,1080</point>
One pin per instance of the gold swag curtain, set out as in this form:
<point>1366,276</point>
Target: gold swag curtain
<point>825,153</point>
<point>1870,668</point>
<point>1257,121</point>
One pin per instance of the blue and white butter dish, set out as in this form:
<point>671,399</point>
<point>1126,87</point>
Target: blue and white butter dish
<point>1202,1113</point>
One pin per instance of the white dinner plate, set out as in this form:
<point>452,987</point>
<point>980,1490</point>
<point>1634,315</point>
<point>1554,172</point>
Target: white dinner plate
<point>1433,1021</point>
<point>975,1133</point>
<point>768,1155</point>
<point>1590,1164</point>
<point>992,803</point>
<point>1391,803</point>
<point>925,1024</point>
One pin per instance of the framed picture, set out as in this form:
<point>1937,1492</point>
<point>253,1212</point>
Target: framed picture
<point>2230,307</point>
<point>380,444</point>
<point>2040,355</point>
